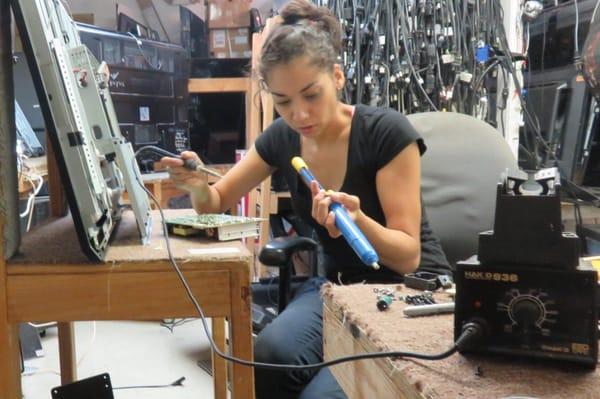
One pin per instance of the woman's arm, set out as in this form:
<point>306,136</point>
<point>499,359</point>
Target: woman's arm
<point>399,188</point>
<point>398,183</point>
<point>216,198</point>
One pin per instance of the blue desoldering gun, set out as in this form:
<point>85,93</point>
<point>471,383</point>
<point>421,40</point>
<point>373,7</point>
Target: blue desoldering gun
<point>355,238</point>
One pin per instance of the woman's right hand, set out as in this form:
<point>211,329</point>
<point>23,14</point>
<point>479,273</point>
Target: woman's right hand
<point>184,178</point>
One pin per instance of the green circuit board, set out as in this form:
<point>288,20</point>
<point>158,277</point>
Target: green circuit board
<point>210,220</point>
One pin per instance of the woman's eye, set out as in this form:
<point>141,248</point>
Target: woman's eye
<point>282,103</point>
<point>311,96</point>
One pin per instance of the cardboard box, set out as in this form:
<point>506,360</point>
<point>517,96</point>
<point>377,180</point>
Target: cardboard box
<point>228,13</point>
<point>230,43</point>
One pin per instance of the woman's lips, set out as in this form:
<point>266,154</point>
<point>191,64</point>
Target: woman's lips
<point>306,129</point>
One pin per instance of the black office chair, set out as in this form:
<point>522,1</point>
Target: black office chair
<point>278,253</point>
<point>270,295</point>
<point>459,173</point>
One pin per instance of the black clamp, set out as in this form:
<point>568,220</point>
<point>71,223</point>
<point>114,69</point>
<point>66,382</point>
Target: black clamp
<point>426,281</point>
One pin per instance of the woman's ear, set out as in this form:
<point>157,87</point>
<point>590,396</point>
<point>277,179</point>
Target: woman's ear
<point>338,76</point>
<point>262,84</point>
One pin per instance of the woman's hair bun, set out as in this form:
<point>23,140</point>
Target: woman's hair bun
<point>305,12</point>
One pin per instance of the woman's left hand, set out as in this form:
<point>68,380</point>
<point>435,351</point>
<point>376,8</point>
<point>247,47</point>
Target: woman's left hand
<point>322,201</point>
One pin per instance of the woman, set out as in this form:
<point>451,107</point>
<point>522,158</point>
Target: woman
<point>368,156</point>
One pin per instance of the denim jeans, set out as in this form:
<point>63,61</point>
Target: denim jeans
<point>296,337</point>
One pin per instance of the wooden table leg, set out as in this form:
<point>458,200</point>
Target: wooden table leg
<point>240,336</point>
<point>66,350</point>
<point>219,365</point>
<point>10,376</point>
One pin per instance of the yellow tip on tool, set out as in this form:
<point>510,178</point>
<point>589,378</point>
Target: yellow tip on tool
<point>375,265</point>
<point>298,163</point>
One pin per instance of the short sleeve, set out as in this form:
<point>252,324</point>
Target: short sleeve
<point>269,143</point>
<point>392,133</point>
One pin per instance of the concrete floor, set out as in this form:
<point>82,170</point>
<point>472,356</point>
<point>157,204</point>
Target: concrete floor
<point>133,353</point>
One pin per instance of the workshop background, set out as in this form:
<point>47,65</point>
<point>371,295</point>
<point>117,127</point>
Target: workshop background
<point>180,79</point>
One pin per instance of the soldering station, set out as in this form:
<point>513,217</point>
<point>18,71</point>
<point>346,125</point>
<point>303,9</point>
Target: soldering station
<point>536,299</point>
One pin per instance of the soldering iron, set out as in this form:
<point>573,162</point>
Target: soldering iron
<point>190,164</point>
<point>355,238</point>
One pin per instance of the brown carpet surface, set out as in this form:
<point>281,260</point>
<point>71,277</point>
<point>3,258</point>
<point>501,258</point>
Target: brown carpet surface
<point>459,376</point>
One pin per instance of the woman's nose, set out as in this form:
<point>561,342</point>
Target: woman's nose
<point>299,114</point>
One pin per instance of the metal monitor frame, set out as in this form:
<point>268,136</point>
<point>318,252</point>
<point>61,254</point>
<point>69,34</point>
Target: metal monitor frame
<point>95,161</point>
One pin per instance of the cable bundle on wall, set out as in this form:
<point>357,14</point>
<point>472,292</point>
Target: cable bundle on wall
<point>424,55</point>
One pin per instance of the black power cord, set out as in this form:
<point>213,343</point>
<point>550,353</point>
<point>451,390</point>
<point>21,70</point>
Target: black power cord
<point>157,150</point>
<point>471,331</point>
<point>417,56</point>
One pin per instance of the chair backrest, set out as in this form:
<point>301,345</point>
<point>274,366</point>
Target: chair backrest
<point>463,163</point>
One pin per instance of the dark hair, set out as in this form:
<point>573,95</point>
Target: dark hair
<point>305,29</point>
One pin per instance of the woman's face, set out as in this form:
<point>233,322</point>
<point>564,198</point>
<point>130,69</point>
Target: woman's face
<point>305,95</point>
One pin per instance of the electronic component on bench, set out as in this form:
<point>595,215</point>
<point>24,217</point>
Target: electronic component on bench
<point>427,310</point>
<point>384,302</point>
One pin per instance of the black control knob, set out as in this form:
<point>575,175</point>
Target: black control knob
<point>526,312</point>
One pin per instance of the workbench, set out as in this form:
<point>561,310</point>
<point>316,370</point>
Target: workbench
<point>352,325</point>
<point>51,280</point>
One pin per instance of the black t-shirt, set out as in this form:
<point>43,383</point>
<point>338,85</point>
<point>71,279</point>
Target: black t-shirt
<point>377,135</point>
